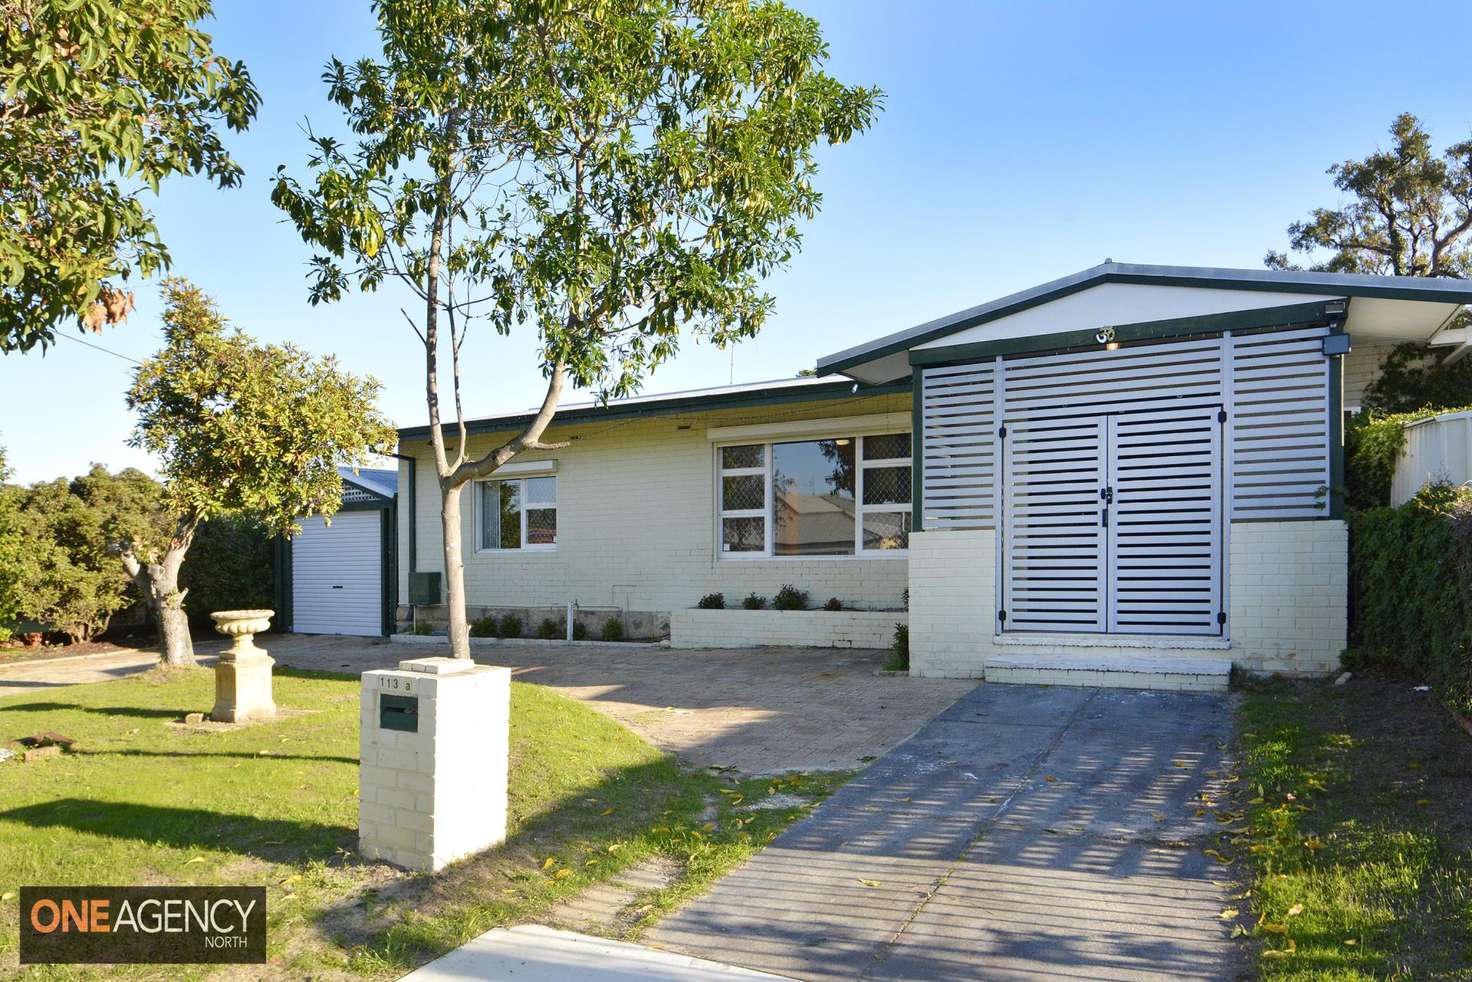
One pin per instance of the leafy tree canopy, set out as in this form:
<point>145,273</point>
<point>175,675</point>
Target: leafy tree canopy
<point>247,428</point>
<point>611,170</point>
<point>1410,212</point>
<point>100,99</point>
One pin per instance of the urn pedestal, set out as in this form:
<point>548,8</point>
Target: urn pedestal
<point>243,673</point>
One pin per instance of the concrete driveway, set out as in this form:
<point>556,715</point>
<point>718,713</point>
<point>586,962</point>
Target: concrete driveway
<point>758,710</point>
<point>1026,832</point>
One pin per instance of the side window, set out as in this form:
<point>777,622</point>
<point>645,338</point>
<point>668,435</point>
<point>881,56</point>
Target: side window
<point>744,498</point>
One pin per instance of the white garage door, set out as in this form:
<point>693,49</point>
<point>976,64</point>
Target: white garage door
<point>336,584</point>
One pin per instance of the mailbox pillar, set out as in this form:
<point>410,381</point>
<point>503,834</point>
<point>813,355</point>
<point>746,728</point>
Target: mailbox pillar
<point>433,749</point>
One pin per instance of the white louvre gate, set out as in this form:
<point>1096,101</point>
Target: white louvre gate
<point>1138,433</point>
<point>1113,523</point>
<point>1163,506</point>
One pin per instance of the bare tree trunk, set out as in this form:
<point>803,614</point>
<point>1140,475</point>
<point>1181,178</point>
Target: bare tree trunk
<point>159,583</point>
<point>459,627</point>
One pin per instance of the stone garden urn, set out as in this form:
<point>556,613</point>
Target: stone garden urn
<point>243,674</point>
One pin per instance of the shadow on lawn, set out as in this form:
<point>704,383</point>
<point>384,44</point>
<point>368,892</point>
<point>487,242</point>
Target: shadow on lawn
<point>272,839</point>
<point>135,711</point>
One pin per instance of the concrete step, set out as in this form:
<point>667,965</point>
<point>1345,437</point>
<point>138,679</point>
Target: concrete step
<point>1112,670</point>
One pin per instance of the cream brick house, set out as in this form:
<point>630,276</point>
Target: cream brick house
<point>1128,469</point>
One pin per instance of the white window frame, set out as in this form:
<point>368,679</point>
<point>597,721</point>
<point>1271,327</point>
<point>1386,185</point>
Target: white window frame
<point>481,549</point>
<point>766,512</point>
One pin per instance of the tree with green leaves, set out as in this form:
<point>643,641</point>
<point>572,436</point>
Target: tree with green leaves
<point>69,580</point>
<point>1410,212</point>
<point>612,171</point>
<point>100,99</point>
<point>240,428</point>
<point>11,551</point>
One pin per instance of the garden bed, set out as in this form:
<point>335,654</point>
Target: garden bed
<point>741,628</point>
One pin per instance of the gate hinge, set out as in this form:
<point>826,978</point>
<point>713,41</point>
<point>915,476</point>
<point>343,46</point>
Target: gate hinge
<point>1001,615</point>
<point>1221,415</point>
<point>1002,433</point>
<point>1221,617</point>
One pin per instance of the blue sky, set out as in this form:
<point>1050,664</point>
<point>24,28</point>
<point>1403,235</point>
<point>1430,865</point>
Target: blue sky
<point>1020,142</point>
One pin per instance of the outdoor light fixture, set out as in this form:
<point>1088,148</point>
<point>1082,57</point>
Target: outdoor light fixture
<point>841,442</point>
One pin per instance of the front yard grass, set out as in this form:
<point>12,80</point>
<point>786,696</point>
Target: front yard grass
<point>1358,831</point>
<point>145,799</point>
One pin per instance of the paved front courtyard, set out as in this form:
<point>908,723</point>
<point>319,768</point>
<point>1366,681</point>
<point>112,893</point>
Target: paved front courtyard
<point>759,710</point>
<point>1027,832</point>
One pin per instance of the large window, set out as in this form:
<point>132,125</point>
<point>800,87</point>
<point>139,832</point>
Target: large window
<point>842,496</point>
<point>518,514</point>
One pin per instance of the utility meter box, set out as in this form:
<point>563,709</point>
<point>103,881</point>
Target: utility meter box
<point>434,741</point>
<point>424,589</point>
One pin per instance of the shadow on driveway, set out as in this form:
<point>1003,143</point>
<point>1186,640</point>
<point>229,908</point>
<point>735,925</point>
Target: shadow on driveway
<point>1026,832</point>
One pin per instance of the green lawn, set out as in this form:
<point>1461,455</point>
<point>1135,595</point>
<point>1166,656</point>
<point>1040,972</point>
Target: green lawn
<point>1358,842</point>
<point>145,799</point>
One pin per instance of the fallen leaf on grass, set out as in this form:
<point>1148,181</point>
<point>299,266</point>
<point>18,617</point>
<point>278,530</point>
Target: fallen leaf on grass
<point>1295,910</point>
<point>6,896</point>
<point>1239,931</point>
<point>1272,928</point>
<point>869,883</point>
<point>1423,802</point>
<point>608,811</point>
<point>1228,913</point>
<point>196,859</point>
<point>1225,860</point>
<point>551,862</point>
<point>561,873</point>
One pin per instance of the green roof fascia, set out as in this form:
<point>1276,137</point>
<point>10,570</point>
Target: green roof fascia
<point>709,402</point>
<point>1178,327</point>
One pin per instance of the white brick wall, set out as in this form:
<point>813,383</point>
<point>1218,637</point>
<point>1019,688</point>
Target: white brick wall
<point>692,628</point>
<point>1290,588</point>
<point>636,523</point>
<point>1288,585</point>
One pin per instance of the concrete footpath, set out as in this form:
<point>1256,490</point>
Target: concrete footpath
<point>1027,832</point>
<point>540,954</point>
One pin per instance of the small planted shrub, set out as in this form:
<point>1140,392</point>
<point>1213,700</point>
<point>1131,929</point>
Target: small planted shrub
<point>833,604</point>
<point>613,629</point>
<point>899,660</point>
<point>579,631</point>
<point>754,601</point>
<point>422,628</point>
<point>483,627</point>
<point>547,629</point>
<point>712,601</point>
<point>510,626</point>
<point>790,598</point>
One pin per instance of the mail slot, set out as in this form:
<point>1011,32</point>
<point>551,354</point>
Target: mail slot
<point>398,713</point>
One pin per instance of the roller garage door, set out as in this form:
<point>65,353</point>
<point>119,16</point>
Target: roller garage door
<point>336,575</point>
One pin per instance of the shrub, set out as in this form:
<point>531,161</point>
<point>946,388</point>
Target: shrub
<point>905,597</point>
<point>613,629</point>
<point>790,598</point>
<point>1411,586</point>
<point>483,627</point>
<point>754,601</point>
<point>547,630</point>
<point>712,601</point>
<point>899,661</point>
<point>579,631</point>
<point>229,568</point>
<point>422,628</point>
<point>833,604</point>
<point>510,626</point>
